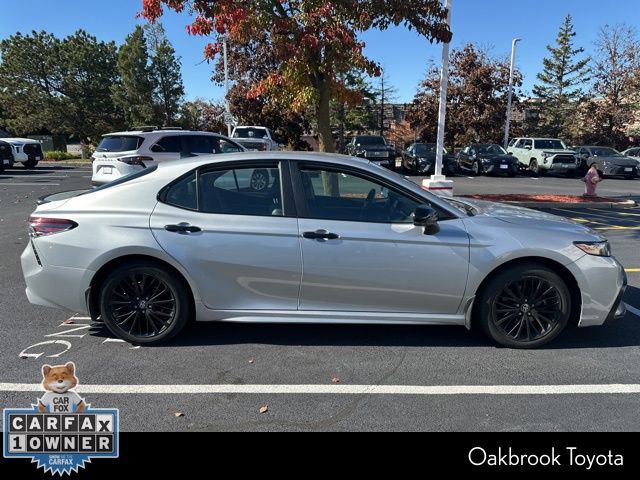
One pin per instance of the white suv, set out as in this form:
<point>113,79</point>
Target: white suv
<point>25,150</point>
<point>123,153</point>
<point>541,155</point>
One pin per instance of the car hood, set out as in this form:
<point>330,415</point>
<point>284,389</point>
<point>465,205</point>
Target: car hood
<point>374,148</point>
<point>527,217</point>
<point>555,151</point>
<point>431,157</point>
<point>621,161</point>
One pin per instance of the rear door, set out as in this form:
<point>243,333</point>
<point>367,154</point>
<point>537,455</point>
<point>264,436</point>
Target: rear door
<point>166,148</point>
<point>239,244</point>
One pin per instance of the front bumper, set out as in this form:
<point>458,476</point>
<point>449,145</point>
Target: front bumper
<point>496,168</point>
<point>620,170</point>
<point>602,282</point>
<point>559,167</point>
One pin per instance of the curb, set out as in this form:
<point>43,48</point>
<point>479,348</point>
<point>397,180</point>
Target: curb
<point>601,205</point>
<point>65,162</point>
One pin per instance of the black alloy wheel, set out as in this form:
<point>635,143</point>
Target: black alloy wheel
<point>143,304</point>
<point>525,307</point>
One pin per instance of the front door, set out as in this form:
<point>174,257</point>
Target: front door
<point>238,242</point>
<point>361,251</point>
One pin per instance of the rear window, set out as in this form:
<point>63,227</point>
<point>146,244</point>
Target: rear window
<point>119,143</point>
<point>250,133</point>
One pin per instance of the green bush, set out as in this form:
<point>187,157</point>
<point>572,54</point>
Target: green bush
<point>58,155</point>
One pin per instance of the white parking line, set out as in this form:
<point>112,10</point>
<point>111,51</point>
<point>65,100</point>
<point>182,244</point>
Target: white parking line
<point>27,184</point>
<point>633,310</point>
<point>594,389</point>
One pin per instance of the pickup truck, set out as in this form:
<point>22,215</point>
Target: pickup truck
<point>25,150</point>
<point>374,148</point>
<point>542,155</point>
<point>255,138</point>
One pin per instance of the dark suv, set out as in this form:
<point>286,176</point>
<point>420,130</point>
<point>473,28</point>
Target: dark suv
<point>6,156</point>
<point>374,148</point>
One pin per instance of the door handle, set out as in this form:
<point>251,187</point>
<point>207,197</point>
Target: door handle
<point>182,228</point>
<point>324,234</point>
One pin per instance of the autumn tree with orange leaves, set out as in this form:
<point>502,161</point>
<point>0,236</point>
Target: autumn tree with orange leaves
<point>314,42</point>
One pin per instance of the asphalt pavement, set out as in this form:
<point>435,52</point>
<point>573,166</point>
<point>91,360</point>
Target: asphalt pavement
<point>328,377</point>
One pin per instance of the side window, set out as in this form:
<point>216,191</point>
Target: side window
<point>224,146</point>
<point>171,144</point>
<point>241,191</point>
<point>335,195</point>
<point>199,144</point>
<point>183,193</point>
<point>527,143</point>
<point>512,142</point>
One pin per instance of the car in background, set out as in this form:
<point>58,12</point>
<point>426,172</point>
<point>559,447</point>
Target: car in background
<point>6,155</point>
<point>420,159</point>
<point>25,150</point>
<point>192,239</point>
<point>259,139</point>
<point>609,161</point>
<point>374,148</point>
<point>634,153</point>
<point>123,153</point>
<point>489,158</point>
<point>543,155</point>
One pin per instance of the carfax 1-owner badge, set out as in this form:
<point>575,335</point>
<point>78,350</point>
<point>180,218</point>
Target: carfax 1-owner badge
<point>61,432</point>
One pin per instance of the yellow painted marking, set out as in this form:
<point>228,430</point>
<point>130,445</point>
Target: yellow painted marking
<point>616,227</point>
<point>632,270</point>
<point>629,214</point>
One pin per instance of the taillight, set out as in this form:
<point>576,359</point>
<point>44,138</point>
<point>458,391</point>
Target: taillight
<point>40,226</point>
<point>136,160</point>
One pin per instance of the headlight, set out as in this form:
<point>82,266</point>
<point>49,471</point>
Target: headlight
<point>599,249</point>
<point>545,154</point>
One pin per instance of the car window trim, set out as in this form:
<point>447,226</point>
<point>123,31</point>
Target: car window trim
<point>301,201</point>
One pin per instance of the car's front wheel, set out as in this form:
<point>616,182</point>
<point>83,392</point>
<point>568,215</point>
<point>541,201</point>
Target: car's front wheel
<point>143,303</point>
<point>525,306</point>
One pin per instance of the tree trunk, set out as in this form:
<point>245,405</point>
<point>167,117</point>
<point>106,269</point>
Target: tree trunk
<point>325,137</point>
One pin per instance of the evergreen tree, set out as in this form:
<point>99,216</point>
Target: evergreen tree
<point>165,73</point>
<point>134,93</point>
<point>560,84</point>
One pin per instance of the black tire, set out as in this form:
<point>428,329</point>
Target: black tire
<point>570,174</point>
<point>259,180</point>
<point>144,304</point>
<point>30,164</point>
<point>630,177</point>
<point>535,168</point>
<point>525,306</point>
<point>476,168</point>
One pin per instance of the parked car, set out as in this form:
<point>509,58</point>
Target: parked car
<point>374,148</point>
<point>255,138</point>
<point>25,150</point>
<point>609,161</point>
<point>192,239</point>
<point>488,158</point>
<point>420,159</point>
<point>633,153</point>
<point>6,155</point>
<point>124,153</point>
<point>542,155</point>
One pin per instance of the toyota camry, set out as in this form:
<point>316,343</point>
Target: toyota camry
<point>328,239</point>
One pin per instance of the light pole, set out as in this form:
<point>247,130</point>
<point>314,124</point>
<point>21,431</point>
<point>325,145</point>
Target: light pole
<point>438,182</point>
<point>227,116</point>
<point>510,94</point>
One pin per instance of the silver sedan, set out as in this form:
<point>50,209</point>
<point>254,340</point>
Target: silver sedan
<point>312,238</point>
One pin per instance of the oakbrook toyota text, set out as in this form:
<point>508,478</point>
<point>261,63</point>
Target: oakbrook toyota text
<point>569,456</point>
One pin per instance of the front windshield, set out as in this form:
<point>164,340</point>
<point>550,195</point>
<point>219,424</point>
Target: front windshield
<point>250,132</point>
<point>492,148</point>
<point>550,144</point>
<point>605,152</point>
<point>370,140</point>
<point>424,148</point>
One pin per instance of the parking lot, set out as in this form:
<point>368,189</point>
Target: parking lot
<point>324,377</point>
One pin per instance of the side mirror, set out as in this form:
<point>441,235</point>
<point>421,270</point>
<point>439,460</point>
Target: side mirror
<point>425,216</point>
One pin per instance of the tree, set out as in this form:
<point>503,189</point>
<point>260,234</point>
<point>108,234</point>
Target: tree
<point>134,94</point>
<point>202,115</point>
<point>360,117</point>
<point>58,86</point>
<point>165,74</point>
<point>476,99</point>
<point>288,125</point>
<point>314,42</point>
<point>560,84</point>
<point>386,93</point>
<point>615,92</point>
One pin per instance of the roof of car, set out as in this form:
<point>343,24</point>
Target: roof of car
<point>161,131</point>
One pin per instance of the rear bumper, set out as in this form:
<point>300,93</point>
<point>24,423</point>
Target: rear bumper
<point>105,172</point>
<point>50,286</point>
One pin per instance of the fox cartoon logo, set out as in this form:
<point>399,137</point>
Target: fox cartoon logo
<point>58,382</point>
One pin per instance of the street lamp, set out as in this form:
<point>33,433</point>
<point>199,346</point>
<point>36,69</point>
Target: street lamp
<point>510,94</point>
<point>438,182</point>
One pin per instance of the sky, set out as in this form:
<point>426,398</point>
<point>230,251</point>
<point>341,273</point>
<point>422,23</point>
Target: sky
<point>404,55</point>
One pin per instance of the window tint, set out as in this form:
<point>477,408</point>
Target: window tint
<point>512,142</point>
<point>183,193</point>
<point>200,144</point>
<point>241,191</point>
<point>335,195</point>
<point>172,144</point>
<point>549,143</point>
<point>224,146</point>
<point>526,143</point>
<point>119,143</point>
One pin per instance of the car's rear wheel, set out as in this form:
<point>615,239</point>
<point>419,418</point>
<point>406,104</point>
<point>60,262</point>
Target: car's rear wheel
<point>143,303</point>
<point>476,168</point>
<point>525,306</point>
<point>30,164</point>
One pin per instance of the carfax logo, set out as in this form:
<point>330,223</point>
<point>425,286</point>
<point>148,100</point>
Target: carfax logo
<point>61,432</point>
